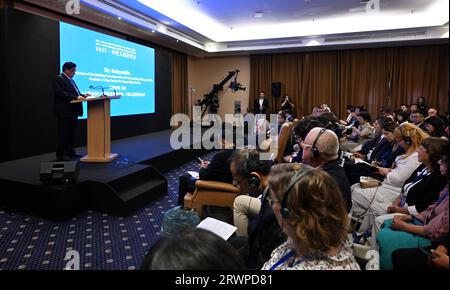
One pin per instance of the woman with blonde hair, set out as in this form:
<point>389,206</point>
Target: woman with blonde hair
<point>369,203</point>
<point>311,211</point>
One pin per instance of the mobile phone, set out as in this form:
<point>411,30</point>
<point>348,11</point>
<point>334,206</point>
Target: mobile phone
<point>426,252</point>
<point>199,160</point>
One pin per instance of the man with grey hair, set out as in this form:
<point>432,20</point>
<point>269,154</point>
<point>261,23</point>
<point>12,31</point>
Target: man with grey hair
<point>320,150</point>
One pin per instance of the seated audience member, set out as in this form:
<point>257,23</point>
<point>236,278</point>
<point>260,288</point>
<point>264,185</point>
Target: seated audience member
<point>435,126</point>
<point>197,249</point>
<point>414,107</point>
<point>413,231</point>
<point>331,122</point>
<point>368,202</point>
<point>373,151</point>
<point>423,186</point>
<point>364,133</point>
<point>426,258</point>
<point>432,112</point>
<point>218,169</point>
<point>316,112</point>
<point>404,107</point>
<point>312,213</point>
<point>422,106</point>
<point>289,116</point>
<point>320,150</point>
<point>300,131</point>
<point>353,120</point>
<point>417,118</point>
<point>253,216</point>
<point>281,119</point>
<point>347,121</point>
<point>402,116</point>
<point>386,112</point>
<point>395,114</point>
<point>389,157</point>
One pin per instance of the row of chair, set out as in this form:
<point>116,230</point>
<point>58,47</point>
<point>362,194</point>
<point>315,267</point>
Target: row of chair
<point>213,193</point>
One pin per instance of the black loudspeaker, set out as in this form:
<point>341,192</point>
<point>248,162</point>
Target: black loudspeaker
<point>276,90</point>
<point>59,172</point>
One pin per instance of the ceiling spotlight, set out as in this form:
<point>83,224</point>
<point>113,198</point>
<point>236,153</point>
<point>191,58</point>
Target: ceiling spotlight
<point>153,31</point>
<point>120,18</point>
<point>259,14</point>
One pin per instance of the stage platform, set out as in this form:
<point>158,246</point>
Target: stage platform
<point>118,188</point>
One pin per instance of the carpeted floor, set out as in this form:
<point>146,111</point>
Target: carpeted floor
<point>103,242</point>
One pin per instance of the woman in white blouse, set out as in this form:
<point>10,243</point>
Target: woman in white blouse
<point>311,211</point>
<point>369,203</point>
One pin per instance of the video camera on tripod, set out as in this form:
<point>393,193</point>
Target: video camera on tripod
<point>211,100</point>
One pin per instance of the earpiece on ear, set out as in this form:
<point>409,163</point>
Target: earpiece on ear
<point>254,181</point>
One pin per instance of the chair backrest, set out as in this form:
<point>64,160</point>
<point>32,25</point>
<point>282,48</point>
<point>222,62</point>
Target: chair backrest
<point>283,137</point>
<point>295,122</point>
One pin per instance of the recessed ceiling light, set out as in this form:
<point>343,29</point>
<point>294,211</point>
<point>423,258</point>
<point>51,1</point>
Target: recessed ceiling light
<point>120,18</point>
<point>259,14</point>
<point>153,31</point>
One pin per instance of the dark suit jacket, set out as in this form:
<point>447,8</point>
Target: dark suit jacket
<point>265,105</point>
<point>264,235</point>
<point>389,157</point>
<point>338,173</point>
<point>219,168</point>
<point>378,146</point>
<point>426,191</point>
<point>64,93</point>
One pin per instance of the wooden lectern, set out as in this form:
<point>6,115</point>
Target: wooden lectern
<point>98,129</point>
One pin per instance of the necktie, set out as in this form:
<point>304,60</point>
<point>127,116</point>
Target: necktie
<point>75,86</point>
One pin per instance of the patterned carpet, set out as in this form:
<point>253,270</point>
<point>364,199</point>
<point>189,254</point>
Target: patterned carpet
<point>104,242</point>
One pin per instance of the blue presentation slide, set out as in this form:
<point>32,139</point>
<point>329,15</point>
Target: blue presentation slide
<point>119,66</point>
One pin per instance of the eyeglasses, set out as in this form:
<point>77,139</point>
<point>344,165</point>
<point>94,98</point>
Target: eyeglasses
<point>303,145</point>
<point>237,183</point>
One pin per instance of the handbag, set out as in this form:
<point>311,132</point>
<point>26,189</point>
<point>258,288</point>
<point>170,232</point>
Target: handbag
<point>368,182</point>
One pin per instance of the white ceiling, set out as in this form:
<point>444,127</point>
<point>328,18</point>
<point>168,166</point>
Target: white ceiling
<point>230,26</point>
<point>233,20</point>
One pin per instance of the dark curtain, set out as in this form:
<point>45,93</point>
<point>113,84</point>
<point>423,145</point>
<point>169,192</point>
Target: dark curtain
<point>363,79</point>
<point>180,99</point>
<point>261,82</point>
<point>420,71</point>
<point>372,77</point>
<point>319,84</point>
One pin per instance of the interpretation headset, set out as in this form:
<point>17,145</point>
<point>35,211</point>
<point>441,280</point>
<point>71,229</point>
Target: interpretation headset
<point>296,178</point>
<point>253,180</point>
<point>314,150</point>
<point>407,139</point>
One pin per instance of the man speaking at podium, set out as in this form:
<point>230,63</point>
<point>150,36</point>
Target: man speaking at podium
<point>66,91</point>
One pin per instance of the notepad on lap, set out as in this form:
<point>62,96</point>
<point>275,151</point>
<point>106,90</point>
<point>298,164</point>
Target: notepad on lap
<point>220,228</point>
<point>358,160</point>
